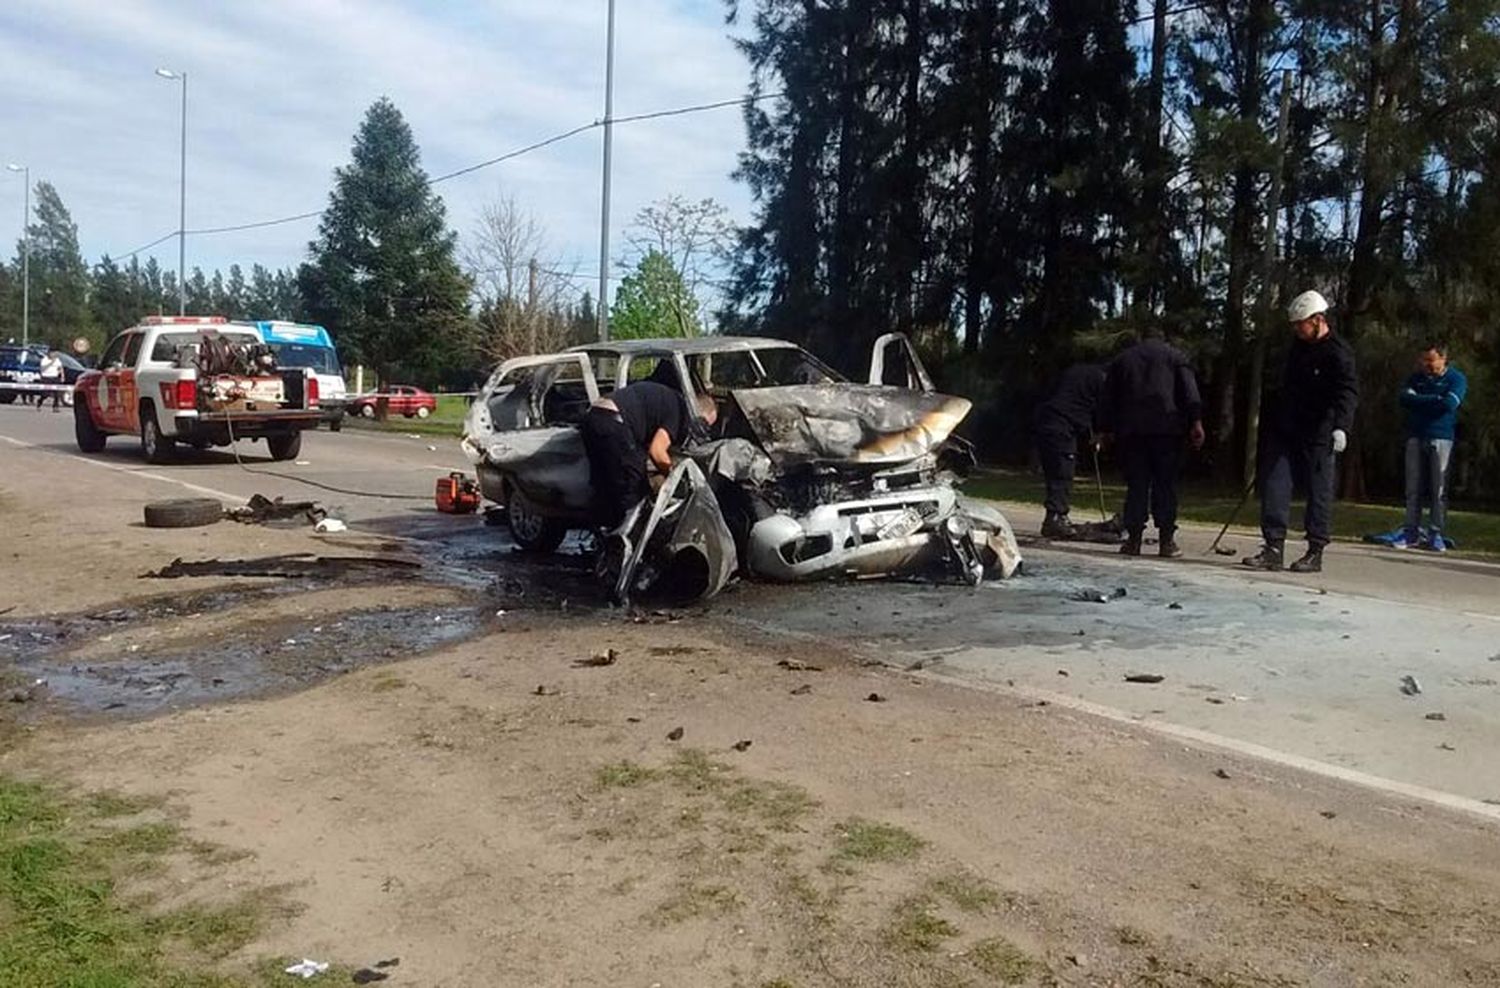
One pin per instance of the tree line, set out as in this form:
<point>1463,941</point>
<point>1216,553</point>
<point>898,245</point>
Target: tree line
<point>1022,184</point>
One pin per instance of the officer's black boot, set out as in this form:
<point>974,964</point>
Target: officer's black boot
<point>1057,526</point>
<point>1166,544</point>
<point>1310,563</point>
<point>1269,558</point>
<point>1132,546</point>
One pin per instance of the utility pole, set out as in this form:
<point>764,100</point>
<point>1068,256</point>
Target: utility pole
<point>609,126</point>
<point>1267,281</point>
<point>25,171</point>
<point>181,198</point>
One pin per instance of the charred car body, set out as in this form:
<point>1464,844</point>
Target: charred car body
<point>805,475</point>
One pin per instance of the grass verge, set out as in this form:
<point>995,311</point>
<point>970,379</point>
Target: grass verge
<point>67,918</point>
<point>1475,531</point>
<point>448,420</point>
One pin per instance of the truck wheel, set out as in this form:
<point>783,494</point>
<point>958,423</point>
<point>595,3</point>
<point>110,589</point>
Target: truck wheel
<point>285,447</point>
<point>8,398</point>
<point>533,531</point>
<point>186,512</point>
<point>90,439</point>
<point>156,447</point>
<point>337,425</point>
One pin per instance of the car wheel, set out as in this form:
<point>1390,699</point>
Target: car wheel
<point>423,412</point>
<point>336,425</point>
<point>285,447</point>
<point>187,512</point>
<point>90,439</point>
<point>9,398</point>
<point>367,411</point>
<point>532,530</point>
<point>156,447</point>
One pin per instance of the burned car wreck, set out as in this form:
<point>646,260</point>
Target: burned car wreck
<point>805,475</point>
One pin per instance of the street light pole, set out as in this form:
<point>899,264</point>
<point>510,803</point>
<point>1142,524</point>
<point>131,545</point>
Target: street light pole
<point>609,127</point>
<point>25,171</point>
<point>181,198</point>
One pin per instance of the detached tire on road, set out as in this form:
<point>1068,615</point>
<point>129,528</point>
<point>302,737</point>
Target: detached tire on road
<point>187,512</point>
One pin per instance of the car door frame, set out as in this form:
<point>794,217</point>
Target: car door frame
<point>916,373</point>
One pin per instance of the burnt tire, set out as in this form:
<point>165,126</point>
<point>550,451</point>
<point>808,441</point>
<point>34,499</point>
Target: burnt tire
<point>284,447</point>
<point>156,447</point>
<point>531,530</point>
<point>90,439</point>
<point>186,512</point>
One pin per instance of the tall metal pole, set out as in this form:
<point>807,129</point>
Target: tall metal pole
<point>182,212</point>
<point>26,259</point>
<point>609,125</point>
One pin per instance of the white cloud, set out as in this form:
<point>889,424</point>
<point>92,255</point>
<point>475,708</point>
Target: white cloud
<point>278,87</point>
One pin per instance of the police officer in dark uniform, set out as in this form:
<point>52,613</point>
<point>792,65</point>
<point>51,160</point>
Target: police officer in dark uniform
<point>1307,425</point>
<point>1063,421</point>
<point>625,430</point>
<point>1151,403</point>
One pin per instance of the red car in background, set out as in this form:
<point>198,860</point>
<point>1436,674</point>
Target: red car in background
<point>402,399</point>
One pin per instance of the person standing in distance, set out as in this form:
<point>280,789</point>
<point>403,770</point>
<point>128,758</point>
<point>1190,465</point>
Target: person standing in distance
<point>1063,421</point>
<point>1431,399</point>
<point>1308,425</point>
<point>1150,403</point>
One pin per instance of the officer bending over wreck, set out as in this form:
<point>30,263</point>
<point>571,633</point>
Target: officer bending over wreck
<point>625,429</point>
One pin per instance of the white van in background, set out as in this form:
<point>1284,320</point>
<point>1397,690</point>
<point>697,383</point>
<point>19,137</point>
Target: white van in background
<point>304,345</point>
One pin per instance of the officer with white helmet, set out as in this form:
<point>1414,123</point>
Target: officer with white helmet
<point>1308,422</point>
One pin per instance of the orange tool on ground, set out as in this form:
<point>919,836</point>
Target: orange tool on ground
<point>457,494</point>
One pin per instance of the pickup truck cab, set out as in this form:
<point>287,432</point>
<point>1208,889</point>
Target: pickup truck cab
<point>195,380</point>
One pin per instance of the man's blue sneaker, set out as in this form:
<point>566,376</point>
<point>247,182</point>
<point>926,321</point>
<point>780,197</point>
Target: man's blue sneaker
<point>1436,543</point>
<point>1405,540</point>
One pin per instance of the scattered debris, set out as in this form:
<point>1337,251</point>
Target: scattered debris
<point>1327,814</point>
<point>261,509</point>
<point>1219,773</point>
<point>1435,715</point>
<point>28,693</point>
<point>608,657</point>
<point>1410,686</point>
<point>802,690</point>
<point>1062,672</point>
<point>307,968</point>
<point>1217,700</point>
<point>1144,677</point>
<point>795,666</point>
<point>292,565</point>
<point>742,745</point>
<point>115,616</point>
<point>545,691</point>
<point>1174,606</point>
<point>329,526</point>
<point>675,734</point>
<point>1078,960</point>
<point>1092,596</point>
<point>874,698</point>
<point>393,962</point>
<point>1445,746</point>
<point>366,976</point>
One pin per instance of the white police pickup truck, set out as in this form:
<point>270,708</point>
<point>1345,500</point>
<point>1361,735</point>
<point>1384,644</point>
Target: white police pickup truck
<point>196,380</point>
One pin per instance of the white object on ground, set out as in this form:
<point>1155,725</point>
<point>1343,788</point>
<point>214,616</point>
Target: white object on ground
<point>432,449</point>
<point>303,463</point>
<point>307,969</point>
<point>329,525</point>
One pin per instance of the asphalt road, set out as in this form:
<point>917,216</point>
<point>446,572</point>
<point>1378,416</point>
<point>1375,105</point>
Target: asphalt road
<point>1304,672</point>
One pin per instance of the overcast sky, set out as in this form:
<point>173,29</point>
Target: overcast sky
<point>277,88</point>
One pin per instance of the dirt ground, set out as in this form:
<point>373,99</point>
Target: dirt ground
<point>493,812</point>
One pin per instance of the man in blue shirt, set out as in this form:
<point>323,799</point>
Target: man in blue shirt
<point>1431,399</point>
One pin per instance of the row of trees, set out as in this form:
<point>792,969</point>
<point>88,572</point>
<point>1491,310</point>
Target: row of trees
<point>385,274</point>
<point>1023,183</point>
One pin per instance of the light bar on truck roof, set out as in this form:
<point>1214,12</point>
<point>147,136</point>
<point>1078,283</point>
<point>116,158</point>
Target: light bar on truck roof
<point>182,320</point>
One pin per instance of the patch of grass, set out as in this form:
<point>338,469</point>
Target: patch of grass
<point>448,420</point>
<point>1476,531</point>
<point>917,928</point>
<point>386,682</point>
<point>998,958</point>
<point>65,919</point>
<point>777,805</point>
<point>692,901</point>
<point>967,892</point>
<point>864,840</point>
<point>623,775</point>
<point>778,983</point>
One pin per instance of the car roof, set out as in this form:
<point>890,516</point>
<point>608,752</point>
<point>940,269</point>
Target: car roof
<point>686,345</point>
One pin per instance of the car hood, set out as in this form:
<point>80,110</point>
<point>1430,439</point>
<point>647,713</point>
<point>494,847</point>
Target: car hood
<point>848,424</point>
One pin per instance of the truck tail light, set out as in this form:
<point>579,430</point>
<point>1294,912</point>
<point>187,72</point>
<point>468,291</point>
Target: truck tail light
<point>312,391</point>
<point>180,394</point>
